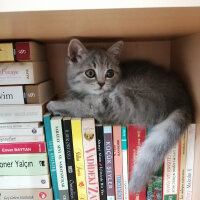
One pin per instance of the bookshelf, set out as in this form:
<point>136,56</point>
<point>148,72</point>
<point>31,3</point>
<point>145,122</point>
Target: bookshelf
<point>166,33</point>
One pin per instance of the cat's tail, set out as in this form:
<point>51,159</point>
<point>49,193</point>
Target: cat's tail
<point>160,140</point>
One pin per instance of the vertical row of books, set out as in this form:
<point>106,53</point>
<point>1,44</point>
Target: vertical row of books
<point>25,87</point>
<point>93,161</point>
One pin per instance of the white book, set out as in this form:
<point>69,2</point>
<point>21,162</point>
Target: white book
<point>28,125</point>
<point>21,139</point>
<point>23,131</point>
<point>24,182</point>
<point>190,161</point>
<point>22,113</point>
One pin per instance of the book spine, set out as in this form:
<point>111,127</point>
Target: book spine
<point>6,52</point>
<point>190,161</point>
<point>15,148</point>
<point>58,144</point>
<point>171,173</point>
<point>69,156</point>
<point>90,157</point>
<point>34,194</point>
<point>51,155</point>
<point>22,51</point>
<point>21,113</point>
<point>23,164</point>
<point>119,190</point>
<point>26,182</point>
<point>11,95</point>
<point>108,145</point>
<point>101,161</point>
<point>19,139</point>
<point>79,159</point>
<point>28,125</point>
<point>136,136</point>
<point>125,162</point>
<point>20,132</point>
<point>183,155</point>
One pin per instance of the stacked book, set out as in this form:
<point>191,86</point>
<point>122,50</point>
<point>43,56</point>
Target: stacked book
<point>93,161</point>
<point>25,88</point>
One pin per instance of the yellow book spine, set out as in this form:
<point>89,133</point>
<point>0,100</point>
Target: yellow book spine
<point>79,158</point>
<point>183,166</point>
<point>6,52</point>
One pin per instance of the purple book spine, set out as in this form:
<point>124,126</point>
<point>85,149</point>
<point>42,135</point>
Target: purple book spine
<point>108,145</point>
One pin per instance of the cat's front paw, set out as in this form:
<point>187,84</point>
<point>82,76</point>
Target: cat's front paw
<point>51,107</point>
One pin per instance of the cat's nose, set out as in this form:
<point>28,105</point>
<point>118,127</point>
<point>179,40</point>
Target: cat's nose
<point>101,84</point>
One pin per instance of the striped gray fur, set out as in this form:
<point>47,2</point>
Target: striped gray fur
<point>138,93</point>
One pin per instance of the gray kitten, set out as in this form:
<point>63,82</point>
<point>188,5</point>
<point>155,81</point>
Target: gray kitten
<point>133,92</point>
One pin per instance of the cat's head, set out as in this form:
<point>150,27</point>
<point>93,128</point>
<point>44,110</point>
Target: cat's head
<point>95,70</point>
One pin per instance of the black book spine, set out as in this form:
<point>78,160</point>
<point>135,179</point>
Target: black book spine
<point>101,162</point>
<point>69,155</point>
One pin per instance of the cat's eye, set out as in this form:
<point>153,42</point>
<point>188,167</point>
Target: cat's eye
<point>110,73</point>
<point>90,73</point>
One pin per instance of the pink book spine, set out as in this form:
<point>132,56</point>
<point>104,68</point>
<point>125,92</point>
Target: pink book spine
<point>118,162</point>
<point>32,147</point>
<point>90,157</point>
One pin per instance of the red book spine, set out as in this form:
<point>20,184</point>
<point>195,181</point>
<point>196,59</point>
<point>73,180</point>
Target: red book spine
<point>29,147</point>
<point>136,136</point>
<point>22,50</point>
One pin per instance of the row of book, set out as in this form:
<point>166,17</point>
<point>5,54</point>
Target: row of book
<point>25,88</point>
<point>92,161</point>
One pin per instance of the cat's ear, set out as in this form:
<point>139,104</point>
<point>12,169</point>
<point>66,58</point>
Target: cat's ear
<point>115,49</point>
<point>76,51</point>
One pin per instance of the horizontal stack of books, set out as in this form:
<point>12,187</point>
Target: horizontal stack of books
<point>25,88</point>
<point>93,161</point>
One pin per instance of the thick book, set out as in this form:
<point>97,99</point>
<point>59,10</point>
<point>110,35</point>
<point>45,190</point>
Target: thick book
<point>136,136</point>
<point>109,162</point>
<point>117,143</point>
<point>58,145</point>
<point>101,161</point>
<point>24,182</point>
<point>16,73</point>
<point>51,155</point>
<point>171,173</point>
<point>27,94</point>
<point>6,52</point>
<point>28,147</point>
<point>69,156</point>
<point>28,125</point>
<point>90,156</point>
<point>79,158</point>
<point>23,164</point>
<point>21,139</point>
<point>190,161</point>
<point>183,157</point>
<point>125,162</point>
<point>22,113</point>
<point>29,51</point>
<point>27,194</point>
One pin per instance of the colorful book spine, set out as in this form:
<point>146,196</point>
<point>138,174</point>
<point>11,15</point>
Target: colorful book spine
<point>171,173</point>
<point>58,144</point>
<point>117,143</point>
<point>69,156</point>
<point>6,52</point>
<point>51,155</point>
<point>183,158</point>
<point>101,161</point>
<point>24,182</point>
<point>27,94</point>
<point>108,145</point>
<point>79,158</point>
<point>27,194</point>
<point>190,161</point>
<point>23,164</point>
<point>136,136</point>
<point>125,162</point>
<point>29,147</point>
<point>90,157</point>
<point>21,113</point>
<point>20,132</point>
<point>16,73</point>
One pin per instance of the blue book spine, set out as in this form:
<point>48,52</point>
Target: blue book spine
<point>51,155</point>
